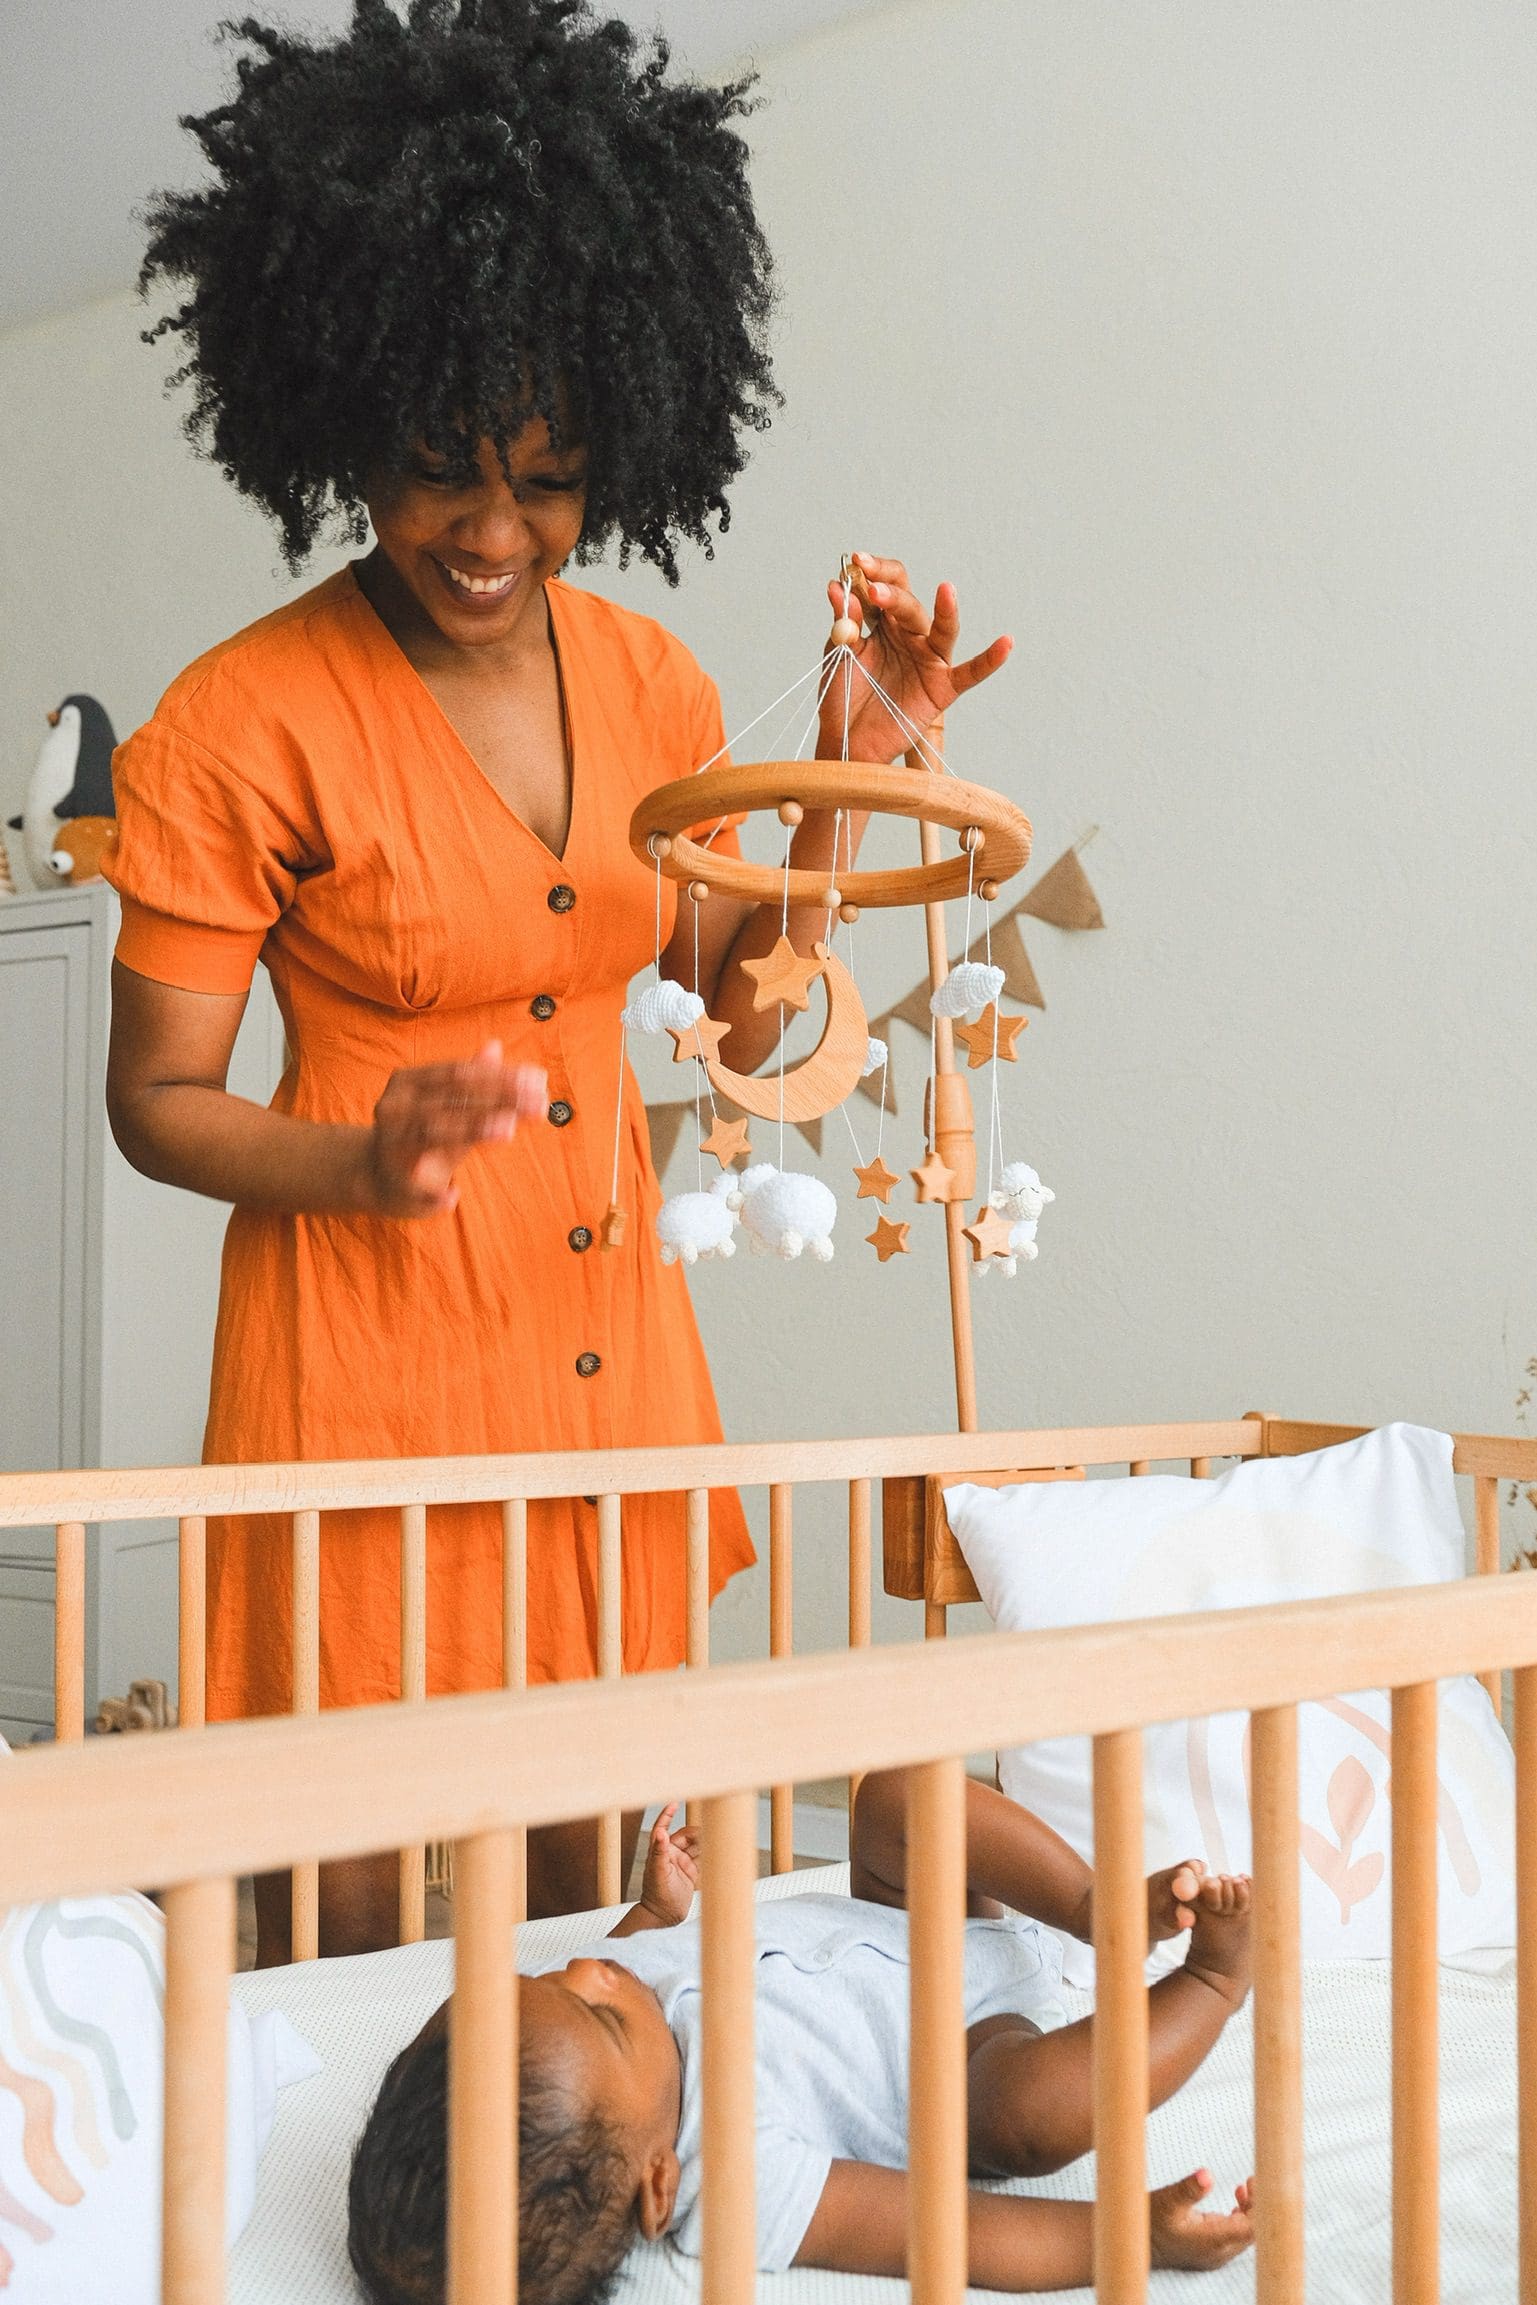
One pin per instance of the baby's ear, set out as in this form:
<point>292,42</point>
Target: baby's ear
<point>657,2194</point>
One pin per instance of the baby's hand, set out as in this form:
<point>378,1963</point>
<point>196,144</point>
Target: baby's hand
<point>672,1870</point>
<point>1193,2239</point>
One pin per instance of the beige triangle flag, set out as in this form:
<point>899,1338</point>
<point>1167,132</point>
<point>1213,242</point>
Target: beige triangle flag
<point>1019,978</point>
<point>1063,896</point>
<point>665,1122</point>
<point>914,1010</point>
<point>811,1130</point>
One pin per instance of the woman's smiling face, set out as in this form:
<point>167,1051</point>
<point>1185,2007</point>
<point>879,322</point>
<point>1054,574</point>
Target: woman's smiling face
<point>474,556</point>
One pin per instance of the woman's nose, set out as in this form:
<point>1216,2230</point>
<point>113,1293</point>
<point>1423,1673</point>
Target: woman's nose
<point>496,530</point>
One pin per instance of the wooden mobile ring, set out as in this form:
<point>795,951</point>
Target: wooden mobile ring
<point>661,825</point>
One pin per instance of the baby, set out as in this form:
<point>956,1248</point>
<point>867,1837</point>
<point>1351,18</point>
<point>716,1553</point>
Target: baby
<point>609,2115</point>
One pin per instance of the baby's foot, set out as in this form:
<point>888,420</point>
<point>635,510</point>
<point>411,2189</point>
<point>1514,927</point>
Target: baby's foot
<point>1171,1900</point>
<point>1220,1953</point>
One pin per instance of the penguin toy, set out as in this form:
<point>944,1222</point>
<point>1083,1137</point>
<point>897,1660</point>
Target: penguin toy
<point>71,780</point>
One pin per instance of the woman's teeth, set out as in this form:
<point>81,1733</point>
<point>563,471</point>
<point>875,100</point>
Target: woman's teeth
<point>479,584</point>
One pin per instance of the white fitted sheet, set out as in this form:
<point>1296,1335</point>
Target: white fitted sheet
<point>358,2013</point>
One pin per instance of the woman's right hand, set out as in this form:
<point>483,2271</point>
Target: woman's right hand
<point>432,1116</point>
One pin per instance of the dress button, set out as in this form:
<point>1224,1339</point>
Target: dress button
<point>542,1006</point>
<point>587,1364</point>
<point>560,1113</point>
<point>579,1238</point>
<point>561,898</point>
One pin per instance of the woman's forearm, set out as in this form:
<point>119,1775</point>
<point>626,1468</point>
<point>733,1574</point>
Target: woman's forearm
<point>207,1141</point>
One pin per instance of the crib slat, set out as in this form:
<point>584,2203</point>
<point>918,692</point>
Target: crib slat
<point>697,1513</point>
<point>781,1644</point>
<point>483,2074</point>
<point>515,1593</point>
<point>936,2148</point>
<point>728,1870</point>
<point>859,1586</point>
<point>413,1689</point>
<point>936,1620</point>
<point>610,1667</point>
<point>69,1631</point>
<point>199,1958</point>
<point>1140,1467</point>
<point>1200,1468</point>
<point>515,1651</point>
<point>1486,1530</point>
<point>192,1621</point>
<point>1120,2022</point>
<point>304,1891</point>
<point>1416,2127</point>
<point>1278,2165</point>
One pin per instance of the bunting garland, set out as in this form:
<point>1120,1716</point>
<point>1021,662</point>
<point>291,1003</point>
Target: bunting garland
<point>1063,897</point>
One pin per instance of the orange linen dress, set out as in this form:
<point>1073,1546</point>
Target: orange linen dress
<point>300,797</point>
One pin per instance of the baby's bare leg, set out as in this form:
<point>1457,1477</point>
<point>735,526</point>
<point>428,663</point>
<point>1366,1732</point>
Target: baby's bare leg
<point>1030,2096</point>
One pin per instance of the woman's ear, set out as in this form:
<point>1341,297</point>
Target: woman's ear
<point>657,2194</point>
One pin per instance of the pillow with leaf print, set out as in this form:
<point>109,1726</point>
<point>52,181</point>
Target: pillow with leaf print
<point>1374,1512</point>
<point>82,2034</point>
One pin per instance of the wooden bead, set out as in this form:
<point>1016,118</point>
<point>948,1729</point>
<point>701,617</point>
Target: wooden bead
<point>849,913</point>
<point>790,812</point>
<point>832,898</point>
<point>699,890</point>
<point>987,890</point>
<point>660,844</point>
<point>844,634</point>
<point>971,839</point>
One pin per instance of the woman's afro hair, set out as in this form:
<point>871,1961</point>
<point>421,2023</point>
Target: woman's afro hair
<point>420,232</point>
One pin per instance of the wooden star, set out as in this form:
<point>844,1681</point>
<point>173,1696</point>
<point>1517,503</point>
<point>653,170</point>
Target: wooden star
<point>933,1179</point>
<point>977,1039</point>
<point>876,1181</point>
<point>702,1040</point>
<point>784,977</point>
<point>889,1240</point>
<point>727,1140</point>
<point>988,1234</point>
<point>613,1227</point>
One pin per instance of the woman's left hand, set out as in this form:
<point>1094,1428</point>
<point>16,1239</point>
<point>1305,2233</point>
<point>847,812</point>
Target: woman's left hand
<point>909,650</point>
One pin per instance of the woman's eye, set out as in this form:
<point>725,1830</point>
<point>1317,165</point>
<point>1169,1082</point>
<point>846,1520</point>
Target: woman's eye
<point>559,483</point>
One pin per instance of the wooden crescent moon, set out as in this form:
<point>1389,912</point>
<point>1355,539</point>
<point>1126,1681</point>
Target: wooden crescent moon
<point>831,1072</point>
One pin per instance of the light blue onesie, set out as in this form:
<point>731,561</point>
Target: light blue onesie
<point>832,2024</point>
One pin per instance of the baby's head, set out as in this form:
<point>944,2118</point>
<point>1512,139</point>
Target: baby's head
<point>599,2101</point>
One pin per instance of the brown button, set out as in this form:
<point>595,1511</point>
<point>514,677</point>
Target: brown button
<point>579,1238</point>
<point>561,898</point>
<point>542,1006</point>
<point>560,1113</point>
<point>587,1364</point>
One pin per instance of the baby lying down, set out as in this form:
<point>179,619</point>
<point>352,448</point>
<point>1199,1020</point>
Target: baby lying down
<point>610,2076</point>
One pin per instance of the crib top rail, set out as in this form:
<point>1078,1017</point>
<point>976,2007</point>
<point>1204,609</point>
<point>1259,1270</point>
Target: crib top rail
<point>258,1795</point>
<point>163,1492</point>
<point>152,1493</point>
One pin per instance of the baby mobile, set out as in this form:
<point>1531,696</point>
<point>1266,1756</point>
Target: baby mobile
<point>783,1211</point>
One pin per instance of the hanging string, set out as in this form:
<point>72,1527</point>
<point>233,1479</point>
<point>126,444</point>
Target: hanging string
<point>995,1122</point>
<point>814,674</point>
<point>613,1189</point>
<point>656,853</point>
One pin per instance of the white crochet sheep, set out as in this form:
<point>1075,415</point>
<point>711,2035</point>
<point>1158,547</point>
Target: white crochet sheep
<point>1022,1196</point>
<point>694,1227</point>
<point>785,1212</point>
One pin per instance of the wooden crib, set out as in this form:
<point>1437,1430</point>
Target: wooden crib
<point>195,1812</point>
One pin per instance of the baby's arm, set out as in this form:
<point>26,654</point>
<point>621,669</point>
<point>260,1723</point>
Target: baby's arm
<point>860,2226</point>
<point>671,1877</point>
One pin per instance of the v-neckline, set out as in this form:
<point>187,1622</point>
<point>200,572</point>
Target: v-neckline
<point>434,705</point>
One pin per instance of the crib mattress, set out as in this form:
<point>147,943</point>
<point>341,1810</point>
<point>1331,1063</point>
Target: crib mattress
<point>358,2013</point>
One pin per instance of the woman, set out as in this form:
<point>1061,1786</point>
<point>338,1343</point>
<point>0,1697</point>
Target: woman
<point>488,282</point>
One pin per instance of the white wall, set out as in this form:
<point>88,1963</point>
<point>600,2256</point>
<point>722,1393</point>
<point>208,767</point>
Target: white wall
<point>1196,340</point>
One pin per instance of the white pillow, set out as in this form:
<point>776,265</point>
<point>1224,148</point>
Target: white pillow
<point>82,2035</point>
<point>1374,1512</point>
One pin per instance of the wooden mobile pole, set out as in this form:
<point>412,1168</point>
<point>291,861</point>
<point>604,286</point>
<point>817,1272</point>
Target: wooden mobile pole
<point>950,1122</point>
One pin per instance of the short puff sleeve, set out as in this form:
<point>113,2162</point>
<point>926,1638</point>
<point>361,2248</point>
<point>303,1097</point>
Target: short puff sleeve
<point>207,861</point>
